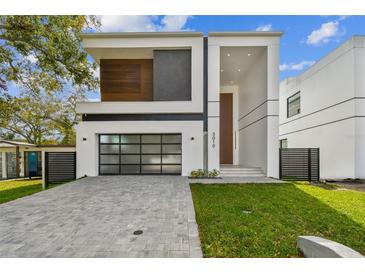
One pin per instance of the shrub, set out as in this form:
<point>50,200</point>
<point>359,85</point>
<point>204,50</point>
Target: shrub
<point>200,173</point>
<point>213,173</point>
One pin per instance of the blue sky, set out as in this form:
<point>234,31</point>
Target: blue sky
<point>306,39</point>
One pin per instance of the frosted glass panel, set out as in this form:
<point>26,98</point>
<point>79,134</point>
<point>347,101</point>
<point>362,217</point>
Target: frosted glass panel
<point>109,148</point>
<point>130,169</point>
<point>109,139</point>
<point>110,169</point>
<point>151,139</point>
<point>151,148</point>
<point>171,159</point>
<point>130,139</point>
<point>130,159</point>
<point>151,159</point>
<point>171,149</point>
<point>171,138</point>
<point>109,159</point>
<point>130,149</point>
<point>151,169</point>
<point>171,169</point>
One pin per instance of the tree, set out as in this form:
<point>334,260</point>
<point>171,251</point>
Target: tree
<point>39,117</point>
<point>44,52</point>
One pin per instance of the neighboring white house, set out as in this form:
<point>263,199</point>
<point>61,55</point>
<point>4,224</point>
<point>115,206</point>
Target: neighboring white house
<point>16,158</point>
<point>173,102</point>
<point>325,107</point>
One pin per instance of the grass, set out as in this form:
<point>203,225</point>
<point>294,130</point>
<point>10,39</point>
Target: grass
<point>11,190</point>
<point>265,220</point>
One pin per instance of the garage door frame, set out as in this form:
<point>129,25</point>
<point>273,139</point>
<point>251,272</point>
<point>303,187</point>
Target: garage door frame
<point>141,164</point>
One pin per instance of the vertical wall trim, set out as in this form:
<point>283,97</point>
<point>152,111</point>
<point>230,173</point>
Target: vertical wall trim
<point>205,84</point>
<point>205,101</point>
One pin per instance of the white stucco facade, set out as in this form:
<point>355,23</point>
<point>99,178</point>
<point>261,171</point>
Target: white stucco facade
<point>87,151</point>
<point>332,111</point>
<point>255,98</point>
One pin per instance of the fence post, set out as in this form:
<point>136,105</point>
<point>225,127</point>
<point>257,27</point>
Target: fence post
<point>280,173</point>
<point>319,165</point>
<point>44,169</point>
<point>309,165</point>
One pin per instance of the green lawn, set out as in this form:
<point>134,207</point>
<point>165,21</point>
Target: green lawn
<point>11,190</point>
<point>279,214</point>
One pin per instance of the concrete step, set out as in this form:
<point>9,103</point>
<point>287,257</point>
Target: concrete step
<point>239,171</point>
<point>241,175</point>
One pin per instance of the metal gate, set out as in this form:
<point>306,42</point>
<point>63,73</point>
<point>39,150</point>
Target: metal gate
<point>299,164</point>
<point>145,154</point>
<point>60,166</point>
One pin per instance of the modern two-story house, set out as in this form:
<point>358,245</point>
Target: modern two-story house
<point>173,102</point>
<point>324,107</point>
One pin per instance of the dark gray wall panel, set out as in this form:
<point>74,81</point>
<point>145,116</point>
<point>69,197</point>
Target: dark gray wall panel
<point>172,75</point>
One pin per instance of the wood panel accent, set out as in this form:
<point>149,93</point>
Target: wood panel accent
<point>126,79</point>
<point>226,128</point>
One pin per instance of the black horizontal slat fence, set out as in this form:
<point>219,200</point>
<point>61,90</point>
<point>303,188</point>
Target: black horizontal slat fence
<point>60,166</point>
<point>299,164</point>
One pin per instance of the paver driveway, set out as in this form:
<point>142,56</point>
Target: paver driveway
<point>97,216</point>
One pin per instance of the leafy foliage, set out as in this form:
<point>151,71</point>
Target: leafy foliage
<point>43,57</point>
<point>44,52</point>
<point>39,117</point>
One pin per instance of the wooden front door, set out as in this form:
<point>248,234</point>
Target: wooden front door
<point>226,128</point>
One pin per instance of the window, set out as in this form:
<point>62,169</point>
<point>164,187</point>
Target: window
<point>284,143</point>
<point>293,105</point>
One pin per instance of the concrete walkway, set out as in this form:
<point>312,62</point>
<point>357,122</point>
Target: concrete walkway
<point>97,217</point>
<point>236,180</point>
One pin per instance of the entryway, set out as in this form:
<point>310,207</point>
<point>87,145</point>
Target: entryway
<point>226,128</point>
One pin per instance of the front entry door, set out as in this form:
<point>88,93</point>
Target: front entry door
<point>226,128</point>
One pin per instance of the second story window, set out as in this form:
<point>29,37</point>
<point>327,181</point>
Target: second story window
<point>293,105</point>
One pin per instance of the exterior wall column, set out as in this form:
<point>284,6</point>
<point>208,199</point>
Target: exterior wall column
<point>3,163</point>
<point>273,110</point>
<point>43,157</point>
<point>213,105</point>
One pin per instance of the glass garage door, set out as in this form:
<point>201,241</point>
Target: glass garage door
<point>139,154</point>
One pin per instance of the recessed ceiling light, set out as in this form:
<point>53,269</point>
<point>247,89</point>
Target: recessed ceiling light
<point>249,54</point>
<point>239,70</point>
<point>228,54</point>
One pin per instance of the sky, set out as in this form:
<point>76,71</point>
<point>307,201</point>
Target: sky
<point>306,39</point>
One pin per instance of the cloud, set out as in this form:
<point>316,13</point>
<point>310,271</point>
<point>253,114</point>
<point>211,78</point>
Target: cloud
<point>174,22</point>
<point>296,66</point>
<point>343,17</point>
<point>130,23</point>
<point>266,27</point>
<point>324,34</point>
